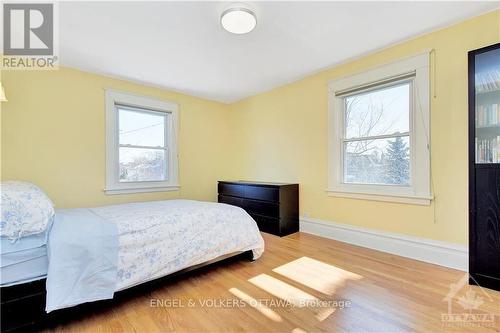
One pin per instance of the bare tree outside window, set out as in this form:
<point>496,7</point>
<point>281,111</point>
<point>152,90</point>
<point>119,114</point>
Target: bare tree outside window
<point>376,136</point>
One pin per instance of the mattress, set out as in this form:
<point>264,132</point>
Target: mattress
<point>23,260</point>
<point>24,265</point>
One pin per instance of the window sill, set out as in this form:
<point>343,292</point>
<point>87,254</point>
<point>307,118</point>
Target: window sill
<point>114,191</point>
<point>412,200</point>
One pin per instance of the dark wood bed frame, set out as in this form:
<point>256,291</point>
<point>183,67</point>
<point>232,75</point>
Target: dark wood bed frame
<point>23,305</point>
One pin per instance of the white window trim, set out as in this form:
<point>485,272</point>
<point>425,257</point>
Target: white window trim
<point>419,192</point>
<point>113,186</point>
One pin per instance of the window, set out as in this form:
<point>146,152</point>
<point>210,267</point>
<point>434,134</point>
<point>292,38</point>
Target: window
<point>141,144</point>
<point>379,133</point>
<point>376,135</point>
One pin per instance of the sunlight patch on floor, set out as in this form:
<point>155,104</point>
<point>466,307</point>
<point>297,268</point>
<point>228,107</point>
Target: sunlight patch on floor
<point>256,305</point>
<point>295,296</point>
<point>316,274</point>
<point>298,330</point>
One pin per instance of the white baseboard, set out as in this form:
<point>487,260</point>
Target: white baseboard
<point>432,251</point>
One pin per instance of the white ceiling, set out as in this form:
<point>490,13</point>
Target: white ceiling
<point>181,46</point>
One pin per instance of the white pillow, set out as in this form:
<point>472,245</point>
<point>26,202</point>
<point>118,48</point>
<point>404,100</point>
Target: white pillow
<point>26,209</point>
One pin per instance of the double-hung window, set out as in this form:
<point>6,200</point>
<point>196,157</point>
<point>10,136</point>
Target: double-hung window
<point>379,133</point>
<point>141,144</point>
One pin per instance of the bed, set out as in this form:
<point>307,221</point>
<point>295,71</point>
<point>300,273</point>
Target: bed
<point>94,252</point>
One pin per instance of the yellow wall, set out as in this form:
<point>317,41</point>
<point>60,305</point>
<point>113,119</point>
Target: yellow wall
<point>53,134</point>
<point>281,135</point>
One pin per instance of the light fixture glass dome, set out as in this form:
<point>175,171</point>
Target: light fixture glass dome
<point>238,20</point>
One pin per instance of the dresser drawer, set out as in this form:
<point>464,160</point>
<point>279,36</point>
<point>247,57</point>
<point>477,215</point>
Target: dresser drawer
<point>262,193</point>
<point>261,208</point>
<point>252,206</point>
<point>231,189</point>
<point>267,224</point>
<point>231,200</point>
<point>251,192</point>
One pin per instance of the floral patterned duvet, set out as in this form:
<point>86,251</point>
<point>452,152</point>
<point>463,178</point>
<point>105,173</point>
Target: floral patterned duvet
<point>161,237</point>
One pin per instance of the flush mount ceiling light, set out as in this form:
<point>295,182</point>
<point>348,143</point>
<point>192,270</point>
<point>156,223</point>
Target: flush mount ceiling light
<point>238,19</point>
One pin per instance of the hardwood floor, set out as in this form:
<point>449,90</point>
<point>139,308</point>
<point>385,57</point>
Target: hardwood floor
<point>384,293</point>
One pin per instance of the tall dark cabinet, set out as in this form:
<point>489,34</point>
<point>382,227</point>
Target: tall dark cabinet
<point>484,166</point>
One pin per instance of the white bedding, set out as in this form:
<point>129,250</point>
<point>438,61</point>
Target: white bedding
<point>161,237</point>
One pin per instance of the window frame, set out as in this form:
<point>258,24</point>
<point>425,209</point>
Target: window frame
<point>116,99</point>
<point>414,70</point>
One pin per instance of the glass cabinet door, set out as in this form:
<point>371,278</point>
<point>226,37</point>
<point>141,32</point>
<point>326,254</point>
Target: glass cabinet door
<point>487,120</point>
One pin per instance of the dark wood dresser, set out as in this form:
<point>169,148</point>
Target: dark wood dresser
<point>274,206</point>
